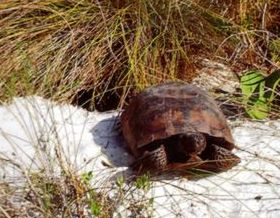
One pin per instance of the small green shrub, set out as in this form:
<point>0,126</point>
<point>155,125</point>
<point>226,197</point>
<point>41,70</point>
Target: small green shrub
<point>259,92</point>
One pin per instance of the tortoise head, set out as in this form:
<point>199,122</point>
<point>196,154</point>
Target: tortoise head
<point>192,143</point>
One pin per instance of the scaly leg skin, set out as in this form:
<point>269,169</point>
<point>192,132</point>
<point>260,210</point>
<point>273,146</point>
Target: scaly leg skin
<point>152,161</point>
<point>220,159</point>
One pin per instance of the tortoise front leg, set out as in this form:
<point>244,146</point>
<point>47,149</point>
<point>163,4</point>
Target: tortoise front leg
<point>219,159</point>
<point>152,161</point>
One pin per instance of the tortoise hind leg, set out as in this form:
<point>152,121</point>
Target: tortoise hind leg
<point>152,161</point>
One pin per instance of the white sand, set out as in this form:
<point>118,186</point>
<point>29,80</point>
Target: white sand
<point>34,131</point>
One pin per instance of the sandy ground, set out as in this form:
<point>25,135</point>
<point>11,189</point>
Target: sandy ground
<point>34,132</point>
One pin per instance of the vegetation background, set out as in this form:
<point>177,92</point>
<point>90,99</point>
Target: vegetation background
<point>97,53</point>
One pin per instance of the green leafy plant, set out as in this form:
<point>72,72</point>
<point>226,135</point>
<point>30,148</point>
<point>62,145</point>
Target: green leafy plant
<point>143,182</point>
<point>94,205</point>
<point>87,177</point>
<point>95,208</point>
<point>272,82</point>
<point>120,182</point>
<point>259,92</point>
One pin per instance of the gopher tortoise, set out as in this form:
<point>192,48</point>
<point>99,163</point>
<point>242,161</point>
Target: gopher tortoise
<point>177,126</point>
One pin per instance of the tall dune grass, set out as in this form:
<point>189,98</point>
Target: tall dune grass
<point>96,53</point>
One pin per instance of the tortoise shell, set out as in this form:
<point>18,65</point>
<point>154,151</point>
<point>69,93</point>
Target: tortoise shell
<point>168,109</point>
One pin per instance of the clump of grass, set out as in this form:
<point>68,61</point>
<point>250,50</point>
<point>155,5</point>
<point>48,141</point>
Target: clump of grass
<point>96,53</point>
<point>45,196</point>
